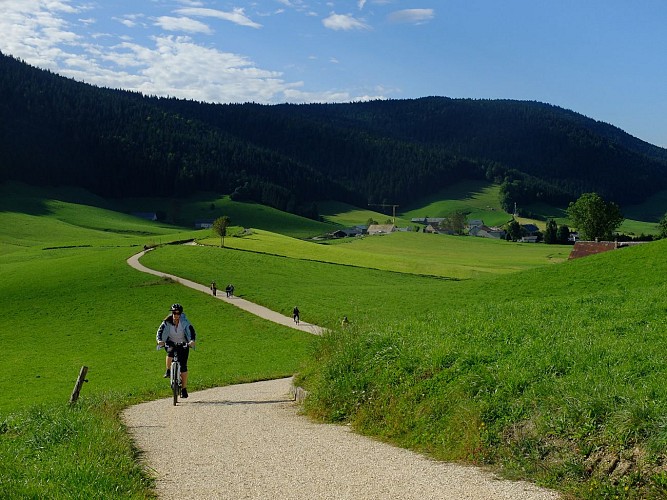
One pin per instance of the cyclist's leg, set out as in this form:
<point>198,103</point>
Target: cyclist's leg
<point>169,359</point>
<point>183,359</point>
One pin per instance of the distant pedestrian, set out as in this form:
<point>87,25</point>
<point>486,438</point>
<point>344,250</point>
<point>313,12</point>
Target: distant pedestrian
<point>228,290</point>
<point>231,290</point>
<point>295,315</point>
<point>345,322</point>
<point>214,289</point>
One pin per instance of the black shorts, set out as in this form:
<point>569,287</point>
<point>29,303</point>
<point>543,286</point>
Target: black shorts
<point>183,352</point>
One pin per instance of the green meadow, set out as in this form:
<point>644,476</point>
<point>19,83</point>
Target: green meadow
<point>465,349</point>
<point>478,199</point>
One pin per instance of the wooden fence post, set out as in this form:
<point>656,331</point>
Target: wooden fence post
<point>79,383</point>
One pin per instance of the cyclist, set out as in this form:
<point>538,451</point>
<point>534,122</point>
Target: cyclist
<point>176,328</point>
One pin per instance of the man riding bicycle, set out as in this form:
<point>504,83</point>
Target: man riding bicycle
<point>176,329</point>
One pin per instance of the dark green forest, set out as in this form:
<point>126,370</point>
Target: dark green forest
<point>56,131</point>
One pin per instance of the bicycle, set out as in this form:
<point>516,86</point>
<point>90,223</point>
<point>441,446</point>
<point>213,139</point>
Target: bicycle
<point>175,372</point>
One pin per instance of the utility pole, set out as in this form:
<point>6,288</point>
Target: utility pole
<point>393,209</point>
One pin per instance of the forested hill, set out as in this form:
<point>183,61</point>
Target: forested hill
<point>116,143</point>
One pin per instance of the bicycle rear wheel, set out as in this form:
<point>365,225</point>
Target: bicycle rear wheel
<point>175,381</point>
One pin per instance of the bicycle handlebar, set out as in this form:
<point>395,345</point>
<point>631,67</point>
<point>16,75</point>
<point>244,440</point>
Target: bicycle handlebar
<point>173,344</point>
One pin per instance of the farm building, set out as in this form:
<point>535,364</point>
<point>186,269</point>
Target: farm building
<point>381,229</point>
<point>434,221</point>
<point>348,232</point>
<point>487,232</point>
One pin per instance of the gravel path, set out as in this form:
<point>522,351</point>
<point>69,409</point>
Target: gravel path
<point>249,442</point>
<point>251,307</point>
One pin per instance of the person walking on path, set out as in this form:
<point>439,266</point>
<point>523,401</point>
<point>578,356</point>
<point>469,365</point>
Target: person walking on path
<point>214,289</point>
<point>295,315</point>
<point>176,329</point>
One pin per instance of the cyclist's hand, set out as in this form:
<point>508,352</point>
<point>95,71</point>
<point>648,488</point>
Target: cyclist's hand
<point>191,343</point>
<point>161,344</point>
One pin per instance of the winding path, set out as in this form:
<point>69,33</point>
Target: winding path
<point>248,441</point>
<point>256,309</point>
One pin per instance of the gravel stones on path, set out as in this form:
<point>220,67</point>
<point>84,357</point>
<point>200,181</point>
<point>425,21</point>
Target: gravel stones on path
<point>249,442</point>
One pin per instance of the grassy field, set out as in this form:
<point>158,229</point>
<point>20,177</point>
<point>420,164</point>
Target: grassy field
<point>414,253</point>
<point>463,348</point>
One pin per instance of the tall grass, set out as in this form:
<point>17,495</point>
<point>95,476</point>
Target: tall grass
<point>82,452</point>
<point>561,382</point>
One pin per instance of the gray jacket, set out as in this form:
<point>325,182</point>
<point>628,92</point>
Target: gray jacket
<point>167,329</point>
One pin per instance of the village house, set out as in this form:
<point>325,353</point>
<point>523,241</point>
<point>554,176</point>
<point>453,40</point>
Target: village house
<point>349,232</point>
<point>381,229</point>
<point>487,232</point>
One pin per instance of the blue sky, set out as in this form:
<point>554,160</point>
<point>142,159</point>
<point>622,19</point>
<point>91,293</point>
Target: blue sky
<point>606,59</point>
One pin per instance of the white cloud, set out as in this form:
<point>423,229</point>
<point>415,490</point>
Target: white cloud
<point>44,34</point>
<point>343,22</point>
<point>184,24</point>
<point>237,16</point>
<point>412,16</point>
<point>31,30</point>
<point>361,3</point>
<point>178,67</point>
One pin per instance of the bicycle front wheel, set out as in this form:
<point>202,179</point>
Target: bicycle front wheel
<point>175,381</point>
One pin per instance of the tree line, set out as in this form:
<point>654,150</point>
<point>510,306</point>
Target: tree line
<point>56,131</point>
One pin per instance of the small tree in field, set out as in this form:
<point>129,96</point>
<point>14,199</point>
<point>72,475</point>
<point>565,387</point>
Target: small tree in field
<point>220,226</point>
<point>594,217</point>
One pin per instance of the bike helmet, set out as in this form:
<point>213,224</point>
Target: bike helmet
<point>177,307</point>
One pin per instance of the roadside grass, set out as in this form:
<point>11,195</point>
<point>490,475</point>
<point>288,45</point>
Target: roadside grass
<point>56,451</point>
<point>415,253</point>
<point>554,373</point>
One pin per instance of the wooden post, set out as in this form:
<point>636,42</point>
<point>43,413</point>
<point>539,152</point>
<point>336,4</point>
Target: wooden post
<point>77,386</point>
